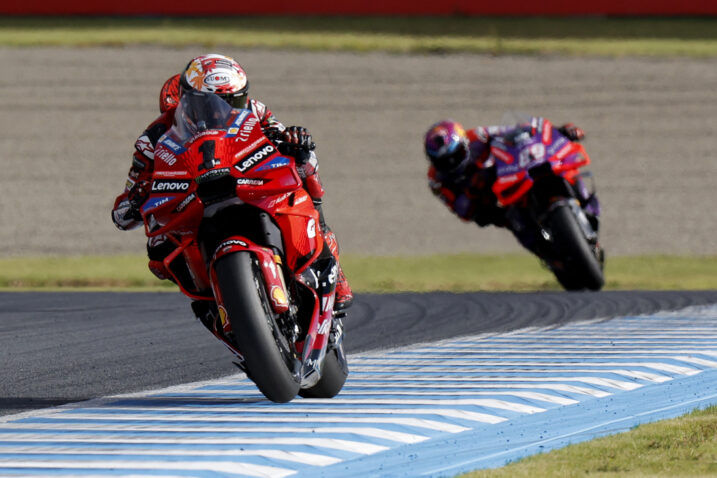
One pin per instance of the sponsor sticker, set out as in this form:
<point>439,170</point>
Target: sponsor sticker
<point>136,163</point>
<point>278,296</point>
<point>559,143</point>
<point>170,174</point>
<point>232,242</point>
<point>250,182</point>
<point>275,163</point>
<point>155,202</point>
<point>170,185</point>
<point>504,156</point>
<point>185,203</point>
<point>237,123</point>
<point>223,317</point>
<point>217,79</point>
<point>563,151</point>
<point>169,143</point>
<point>245,130</point>
<point>325,326</point>
<point>213,174</point>
<point>256,156</point>
<point>165,155</point>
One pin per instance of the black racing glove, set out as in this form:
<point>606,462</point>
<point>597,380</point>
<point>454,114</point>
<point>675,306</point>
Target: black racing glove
<point>572,132</point>
<point>297,142</point>
<point>136,197</point>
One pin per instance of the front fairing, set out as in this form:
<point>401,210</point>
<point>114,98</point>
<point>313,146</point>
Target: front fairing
<point>515,154</point>
<point>215,155</point>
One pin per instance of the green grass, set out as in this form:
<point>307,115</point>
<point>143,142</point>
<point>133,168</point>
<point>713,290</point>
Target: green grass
<point>685,446</point>
<point>695,37</point>
<point>460,272</point>
<point>80,272</point>
<point>521,272</point>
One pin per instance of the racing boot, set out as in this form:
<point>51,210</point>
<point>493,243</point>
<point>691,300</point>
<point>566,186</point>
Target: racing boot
<point>344,296</point>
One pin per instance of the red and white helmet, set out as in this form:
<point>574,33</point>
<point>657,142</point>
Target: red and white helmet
<point>217,74</point>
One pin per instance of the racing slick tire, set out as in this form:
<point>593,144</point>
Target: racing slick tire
<point>269,359</point>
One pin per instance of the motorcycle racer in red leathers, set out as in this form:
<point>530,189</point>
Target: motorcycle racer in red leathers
<point>462,173</point>
<point>225,77</point>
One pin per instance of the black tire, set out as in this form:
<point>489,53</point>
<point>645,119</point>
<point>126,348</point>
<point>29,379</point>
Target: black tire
<point>333,376</point>
<point>580,268</point>
<point>268,357</point>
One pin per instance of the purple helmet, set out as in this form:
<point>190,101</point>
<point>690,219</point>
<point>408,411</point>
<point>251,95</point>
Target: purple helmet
<point>446,145</point>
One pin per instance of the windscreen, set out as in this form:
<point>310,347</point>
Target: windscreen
<point>197,112</point>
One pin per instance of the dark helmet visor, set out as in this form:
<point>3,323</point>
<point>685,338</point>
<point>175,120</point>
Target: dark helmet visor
<point>451,161</point>
<point>236,100</point>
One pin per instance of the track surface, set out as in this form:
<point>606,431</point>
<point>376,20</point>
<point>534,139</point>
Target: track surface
<point>63,347</point>
<point>69,118</point>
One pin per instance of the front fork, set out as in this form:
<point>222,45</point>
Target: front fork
<point>325,329</point>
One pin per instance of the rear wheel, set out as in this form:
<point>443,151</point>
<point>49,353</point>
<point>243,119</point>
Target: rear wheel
<point>333,376</point>
<point>270,360</point>
<point>579,266</point>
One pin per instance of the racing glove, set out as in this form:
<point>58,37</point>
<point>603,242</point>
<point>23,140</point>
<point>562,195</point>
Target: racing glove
<point>297,142</point>
<point>136,197</point>
<point>572,132</point>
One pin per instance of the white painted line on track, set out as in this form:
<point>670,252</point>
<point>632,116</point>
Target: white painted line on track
<point>307,415</point>
<point>428,392</point>
<point>487,403</point>
<point>543,397</point>
<point>281,455</point>
<point>634,374</point>
<point>73,474</point>
<point>599,381</point>
<point>459,388</point>
<point>361,448</point>
<point>448,362</point>
<point>231,469</point>
<point>389,435</point>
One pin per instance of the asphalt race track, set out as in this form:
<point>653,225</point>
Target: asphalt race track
<point>63,347</point>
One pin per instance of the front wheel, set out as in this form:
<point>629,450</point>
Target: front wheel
<point>269,358</point>
<point>579,267</point>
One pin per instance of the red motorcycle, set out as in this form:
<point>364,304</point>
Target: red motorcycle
<point>248,248</point>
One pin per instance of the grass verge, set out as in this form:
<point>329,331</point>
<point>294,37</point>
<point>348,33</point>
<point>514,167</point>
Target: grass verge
<point>460,273</point>
<point>684,446</point>
<point>602,36</point>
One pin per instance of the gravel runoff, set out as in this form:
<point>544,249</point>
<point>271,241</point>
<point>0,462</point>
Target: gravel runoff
<point>69,118</point>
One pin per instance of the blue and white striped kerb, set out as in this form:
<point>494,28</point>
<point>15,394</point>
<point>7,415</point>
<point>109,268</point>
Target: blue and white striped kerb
<point>434,410</point>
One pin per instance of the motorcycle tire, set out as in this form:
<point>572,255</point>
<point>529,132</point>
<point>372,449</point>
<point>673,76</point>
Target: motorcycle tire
<point>581,269</point>
<point>333,376</point>
<point>268,356</point>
